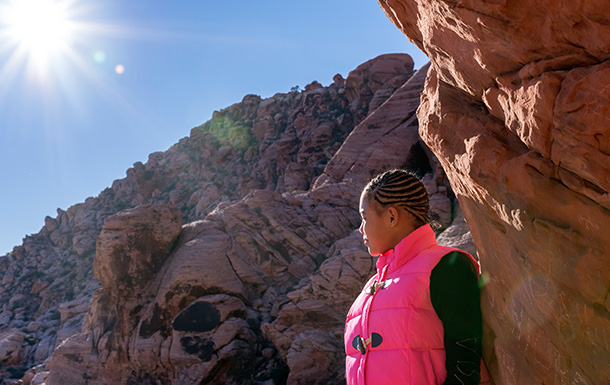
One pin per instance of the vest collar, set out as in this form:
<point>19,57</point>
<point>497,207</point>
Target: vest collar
<point>420,239</point>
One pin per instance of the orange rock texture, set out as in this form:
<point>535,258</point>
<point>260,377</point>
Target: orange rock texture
<point>516,108</point>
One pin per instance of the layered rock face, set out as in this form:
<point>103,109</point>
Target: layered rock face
<point>515,107</point>
<point>230,258</point>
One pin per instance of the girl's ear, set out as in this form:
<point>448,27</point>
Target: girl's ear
<point>392,216</point>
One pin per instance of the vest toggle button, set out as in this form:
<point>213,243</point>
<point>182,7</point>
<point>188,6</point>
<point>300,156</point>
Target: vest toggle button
<point>376,286</point>
<point>372,289</point>
<point>361,344</point>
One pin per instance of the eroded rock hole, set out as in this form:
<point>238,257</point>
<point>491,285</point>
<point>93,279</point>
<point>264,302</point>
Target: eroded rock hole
<point>199,317</point>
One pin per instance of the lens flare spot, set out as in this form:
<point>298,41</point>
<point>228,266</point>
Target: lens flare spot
<point>119,69</point>
<point>99,57</point>
<point>534,302</point>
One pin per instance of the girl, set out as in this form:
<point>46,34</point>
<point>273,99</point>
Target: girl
<point>418,320</point>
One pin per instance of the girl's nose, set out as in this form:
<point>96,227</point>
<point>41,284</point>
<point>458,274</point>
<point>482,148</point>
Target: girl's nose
<point>361,228</point>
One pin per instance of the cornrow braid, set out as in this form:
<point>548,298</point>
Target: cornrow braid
<point>401,188</point>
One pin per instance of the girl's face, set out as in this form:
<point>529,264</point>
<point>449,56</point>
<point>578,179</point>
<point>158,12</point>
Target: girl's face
<point>375,227</point>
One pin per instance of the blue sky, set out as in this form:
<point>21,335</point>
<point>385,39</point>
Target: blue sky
<point>71,122</point>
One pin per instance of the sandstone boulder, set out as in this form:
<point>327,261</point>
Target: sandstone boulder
<point>133,244</point>
<point>390,70</point>
<point>11,342</point>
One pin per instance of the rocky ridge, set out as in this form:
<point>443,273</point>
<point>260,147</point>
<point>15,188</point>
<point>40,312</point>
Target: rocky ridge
<point>254,287</point>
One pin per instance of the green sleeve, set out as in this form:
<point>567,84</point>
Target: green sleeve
<point>454,291</point>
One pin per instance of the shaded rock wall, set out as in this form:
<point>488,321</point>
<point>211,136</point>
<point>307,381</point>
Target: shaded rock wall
<point>515,107</point>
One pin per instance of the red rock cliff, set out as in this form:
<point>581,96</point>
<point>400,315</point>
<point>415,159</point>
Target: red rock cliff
<point>516,108</point>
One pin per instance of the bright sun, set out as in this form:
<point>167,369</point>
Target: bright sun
<point>40,28</point>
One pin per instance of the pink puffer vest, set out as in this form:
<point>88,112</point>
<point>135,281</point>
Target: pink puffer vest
<point>393,334</point>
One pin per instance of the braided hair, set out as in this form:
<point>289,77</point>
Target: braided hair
<point>401,188</point>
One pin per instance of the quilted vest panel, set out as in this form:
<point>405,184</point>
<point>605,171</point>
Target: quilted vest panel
<point>393,334</point>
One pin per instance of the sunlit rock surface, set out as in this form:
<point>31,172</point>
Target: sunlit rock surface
<point>516,108</point>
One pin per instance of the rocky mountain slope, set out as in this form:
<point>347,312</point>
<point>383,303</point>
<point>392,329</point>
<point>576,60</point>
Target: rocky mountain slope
<point>516,108</point>
<point>232,257</point>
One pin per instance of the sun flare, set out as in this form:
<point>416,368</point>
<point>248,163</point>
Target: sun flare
<point>39,28</point>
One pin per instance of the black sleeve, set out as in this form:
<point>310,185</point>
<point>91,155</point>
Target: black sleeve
<point>454,291</point>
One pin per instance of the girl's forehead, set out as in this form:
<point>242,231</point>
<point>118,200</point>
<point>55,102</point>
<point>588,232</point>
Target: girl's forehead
<point>364,201</point>
<point>367,204</point>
